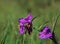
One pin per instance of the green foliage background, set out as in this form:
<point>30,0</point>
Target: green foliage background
<point>12,10</point>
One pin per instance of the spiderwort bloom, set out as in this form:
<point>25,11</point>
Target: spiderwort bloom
<point>45,33</point>
<point>23,21</point>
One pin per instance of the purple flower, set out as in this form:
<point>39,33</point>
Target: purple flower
<point>22,21</point>
<point>45,33</point>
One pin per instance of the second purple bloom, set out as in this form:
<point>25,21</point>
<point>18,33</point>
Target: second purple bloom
<point>45,33</point>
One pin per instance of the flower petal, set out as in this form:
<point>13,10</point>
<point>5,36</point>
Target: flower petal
<point>28,18</point>
<point>48,35</point>
<point>44,36</point>
<point>21,20</point>
<point>45,28</point>
<point>21,29</point>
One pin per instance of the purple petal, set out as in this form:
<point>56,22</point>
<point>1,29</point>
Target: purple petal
<point>19,20</point>
<point>28,18</point>
<point>48,35</point>
<point>21,29</point>
<point>43,35</point>
<point>22,20</point>
<point>45,28</point>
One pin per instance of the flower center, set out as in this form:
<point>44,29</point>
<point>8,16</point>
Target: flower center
<point>27,25</point>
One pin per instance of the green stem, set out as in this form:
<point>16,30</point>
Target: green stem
<point>23,39</point>
<point>54,25</point>
<point>53,34</point>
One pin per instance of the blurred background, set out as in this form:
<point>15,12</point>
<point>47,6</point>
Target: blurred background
<point>12,10</point>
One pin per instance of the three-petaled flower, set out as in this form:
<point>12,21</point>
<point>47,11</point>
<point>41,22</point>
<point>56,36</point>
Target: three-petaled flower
<point>45,33</point>
<point>25,23</point>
